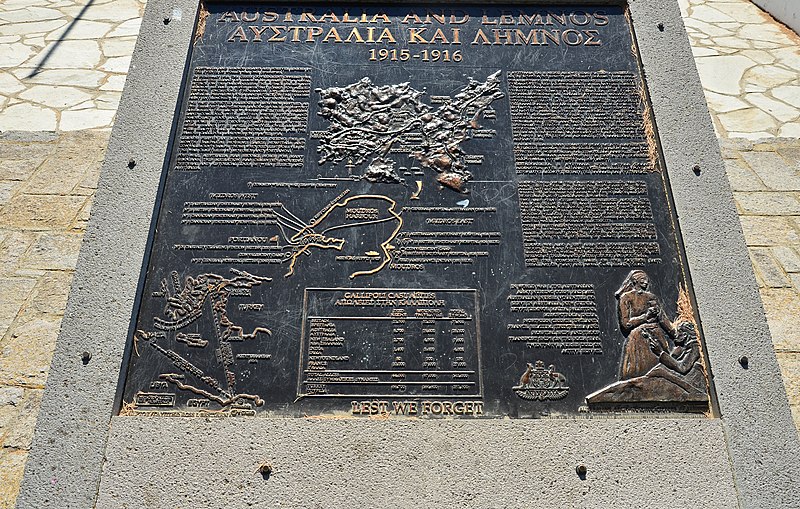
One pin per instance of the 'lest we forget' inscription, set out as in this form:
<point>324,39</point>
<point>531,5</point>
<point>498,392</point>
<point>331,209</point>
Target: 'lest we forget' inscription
<point>414,211</point>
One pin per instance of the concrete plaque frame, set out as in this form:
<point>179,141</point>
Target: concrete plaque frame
<point>83,456</point>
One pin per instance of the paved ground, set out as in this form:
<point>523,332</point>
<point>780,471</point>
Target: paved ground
<point>66,62</point>
<point>62,67</point>
<point>47,184</point>
<point>765,178</point>
<point>750,68</point>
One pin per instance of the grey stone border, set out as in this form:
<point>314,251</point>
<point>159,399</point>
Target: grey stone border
<point>754,409</point>
<point>76,434</point>
<point>64,466</point>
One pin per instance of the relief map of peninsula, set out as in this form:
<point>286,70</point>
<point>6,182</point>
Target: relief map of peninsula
<point>411,211</point>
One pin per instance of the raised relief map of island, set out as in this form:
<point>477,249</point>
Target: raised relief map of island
<point>414,212</point>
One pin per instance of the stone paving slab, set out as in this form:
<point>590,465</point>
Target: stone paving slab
<point>63,64</point>
<point>749,65</point>
<point>765,179</point>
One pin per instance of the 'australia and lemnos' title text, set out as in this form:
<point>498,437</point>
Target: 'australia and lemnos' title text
<point>438,27</point>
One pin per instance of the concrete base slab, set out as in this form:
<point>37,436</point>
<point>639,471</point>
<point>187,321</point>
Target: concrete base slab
<point>185,463</point>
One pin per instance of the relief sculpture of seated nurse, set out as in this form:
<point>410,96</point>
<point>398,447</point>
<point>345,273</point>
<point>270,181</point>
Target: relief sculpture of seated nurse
<point>640,316</point>
<point>662,363</point>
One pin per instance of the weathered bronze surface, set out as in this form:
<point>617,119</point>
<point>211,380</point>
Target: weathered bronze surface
<point>391,211</point>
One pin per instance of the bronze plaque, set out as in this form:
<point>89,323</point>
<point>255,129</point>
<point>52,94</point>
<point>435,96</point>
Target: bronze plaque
<point>414,211</point>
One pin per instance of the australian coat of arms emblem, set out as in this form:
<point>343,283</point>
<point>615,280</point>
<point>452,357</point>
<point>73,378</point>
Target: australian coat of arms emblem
<point>539,383</point>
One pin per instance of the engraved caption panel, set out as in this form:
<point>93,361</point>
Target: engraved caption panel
<point>414,211</point>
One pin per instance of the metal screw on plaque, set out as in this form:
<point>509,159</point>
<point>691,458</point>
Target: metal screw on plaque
<point>86,357</point>
<point>744,361</point>
<point>661,27</point>
<point>167,20</point>
<point>696,169</point>
<point>581,471</point>
<point>131,164</point>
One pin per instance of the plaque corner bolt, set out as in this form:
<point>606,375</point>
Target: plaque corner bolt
<point>86,357</point>
<point>660,27</point>
<point>696,169</point>
<point>131,164</point>
<point>581,471</point>
<point>744,361</point>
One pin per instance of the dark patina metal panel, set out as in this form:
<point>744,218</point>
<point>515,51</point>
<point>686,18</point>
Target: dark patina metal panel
<point>417,211</point>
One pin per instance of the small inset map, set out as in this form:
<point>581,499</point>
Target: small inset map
<point>367,121</point>
<point>374,217</point>
<point>203,298</point>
